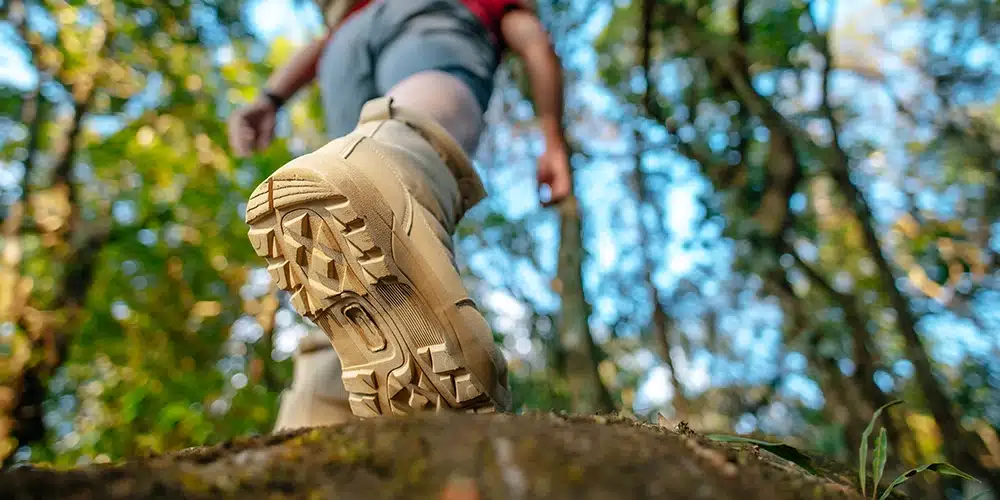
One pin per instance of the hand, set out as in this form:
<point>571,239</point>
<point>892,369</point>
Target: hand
<point>554,173</point>
<point>251,127</point>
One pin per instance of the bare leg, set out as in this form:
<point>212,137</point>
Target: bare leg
<point>448,100</point>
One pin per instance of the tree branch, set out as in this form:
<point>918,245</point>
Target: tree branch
<point>660,319</point>
<point>83,93</point>
<point>784,170</point>
<point>742,29</point>
<point>31,112</point>
<point>712,167</point>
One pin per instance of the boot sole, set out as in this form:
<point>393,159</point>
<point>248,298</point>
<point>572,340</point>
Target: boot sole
<point>330,240</point>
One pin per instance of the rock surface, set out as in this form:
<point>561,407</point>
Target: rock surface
<point>449,457</point>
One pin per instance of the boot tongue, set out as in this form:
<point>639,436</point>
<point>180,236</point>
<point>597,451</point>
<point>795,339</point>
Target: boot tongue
<point>470,186</point>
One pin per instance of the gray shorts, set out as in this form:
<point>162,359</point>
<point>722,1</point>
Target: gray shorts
<point>390,40</point>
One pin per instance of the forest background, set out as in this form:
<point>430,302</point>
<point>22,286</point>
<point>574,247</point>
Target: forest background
<point>785,216</point>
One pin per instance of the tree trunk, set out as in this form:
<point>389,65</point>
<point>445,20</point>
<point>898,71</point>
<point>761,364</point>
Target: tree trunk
<point>958,443</point>
<point>842,403</point>
<point>27,412</point>
<point>660,319</point>
<point>586,388</point>
<point>846,403</point>
<point>863,355</point>
<point>23,412</point>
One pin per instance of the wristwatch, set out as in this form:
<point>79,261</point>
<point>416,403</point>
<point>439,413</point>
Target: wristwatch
<point>276,100</point>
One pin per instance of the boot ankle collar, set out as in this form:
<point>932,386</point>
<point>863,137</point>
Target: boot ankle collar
<point>470,185</point>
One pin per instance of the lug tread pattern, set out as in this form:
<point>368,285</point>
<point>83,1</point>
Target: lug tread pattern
<point>293,228</point>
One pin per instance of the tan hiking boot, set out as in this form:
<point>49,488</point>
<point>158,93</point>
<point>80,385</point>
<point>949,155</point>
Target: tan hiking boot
<point>316,397</point>
<point>359,232</point>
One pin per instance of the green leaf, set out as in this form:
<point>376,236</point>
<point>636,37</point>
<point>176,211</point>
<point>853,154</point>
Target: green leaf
<point>878,459</point>
<point>980,495</point>
<point>863,449</point>
<point>782,450</point>
<point>939,467</point>
<point>131,403</point>
<point>495,219</point>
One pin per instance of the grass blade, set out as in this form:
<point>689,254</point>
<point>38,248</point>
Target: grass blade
<point>939,467</point>
<point>782,450</point>
<point>878,459</point>
<point>863,449</point>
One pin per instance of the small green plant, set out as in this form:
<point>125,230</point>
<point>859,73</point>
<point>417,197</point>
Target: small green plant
<point>863,450</point>
<point>879,459</point>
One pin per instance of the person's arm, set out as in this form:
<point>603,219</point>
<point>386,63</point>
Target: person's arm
<point>251,127</point>
<point>525,36</point>
<point>298,72</point>
<point>301,68</point>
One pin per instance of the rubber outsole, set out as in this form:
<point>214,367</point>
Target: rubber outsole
<point>330,248</point>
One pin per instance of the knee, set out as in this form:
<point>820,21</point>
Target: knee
<point>448,100</point>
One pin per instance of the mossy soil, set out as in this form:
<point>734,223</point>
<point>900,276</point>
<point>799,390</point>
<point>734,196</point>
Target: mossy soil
<point>449,457</point>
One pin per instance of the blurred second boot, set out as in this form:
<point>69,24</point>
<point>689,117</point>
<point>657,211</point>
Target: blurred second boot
<point>316,396</point>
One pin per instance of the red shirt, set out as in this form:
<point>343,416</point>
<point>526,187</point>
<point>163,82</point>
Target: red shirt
<point>489,12</point>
